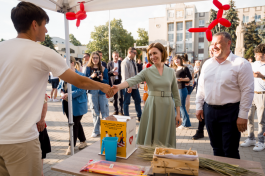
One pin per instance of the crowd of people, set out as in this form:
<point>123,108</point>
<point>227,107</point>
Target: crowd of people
<point>228,92</point>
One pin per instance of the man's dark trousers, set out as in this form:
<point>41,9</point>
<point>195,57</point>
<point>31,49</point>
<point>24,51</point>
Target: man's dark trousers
<point>137,101</point>
<point>118,97</point>
<point>222,129</point>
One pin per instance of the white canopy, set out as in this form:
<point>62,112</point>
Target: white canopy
<point>100,5</point>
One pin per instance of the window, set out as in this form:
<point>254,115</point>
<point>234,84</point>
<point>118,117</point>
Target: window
<point>188,25</point>
<point>257,17</point>
<point>188,47</point>
<point>200,56</point>
<point>179,47</point>
<point>170,13</point>
<point>179,26</point>
<point>171,37</point>
<point>245,9</point>
<point>201,34</point>
<point>258,8</point>
<point>245,19</point>
<point>179,37</point>
<point>179,14</point>
<point>201,45</point>
<point>83,51</point>
<point>201,22</point>
<point>188,36</point>
<point>189,11</point>
<point>202,14</point>
<point>170,27</point>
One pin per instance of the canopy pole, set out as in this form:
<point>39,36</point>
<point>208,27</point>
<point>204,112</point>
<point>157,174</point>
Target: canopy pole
<point>109,39</point>
<point>69,86</point>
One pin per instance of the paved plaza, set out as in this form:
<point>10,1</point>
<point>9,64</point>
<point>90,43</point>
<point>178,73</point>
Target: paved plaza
<point>59,135</point>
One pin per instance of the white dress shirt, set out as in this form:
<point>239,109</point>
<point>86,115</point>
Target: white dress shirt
<point>259,84</point>
<point>116,65</point>
<point>231,81</point>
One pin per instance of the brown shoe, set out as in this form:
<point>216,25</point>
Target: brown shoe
<point>120,113</point>
<point>115,113</point>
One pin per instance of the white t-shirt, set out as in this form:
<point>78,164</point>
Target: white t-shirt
<point>24,68</point>
<point>53,77</point>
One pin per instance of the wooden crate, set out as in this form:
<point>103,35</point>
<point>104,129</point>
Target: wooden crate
<point>165,165</point>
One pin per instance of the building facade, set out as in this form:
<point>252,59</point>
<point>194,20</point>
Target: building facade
<point>172,29</point>
<point>75,51</point>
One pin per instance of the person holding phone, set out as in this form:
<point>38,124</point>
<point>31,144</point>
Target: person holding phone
<point>97,99</point>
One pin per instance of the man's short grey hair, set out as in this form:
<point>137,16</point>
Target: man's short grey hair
<point>224,34</point>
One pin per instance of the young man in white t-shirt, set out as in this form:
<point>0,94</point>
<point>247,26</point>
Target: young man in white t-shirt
<point>23,83</point>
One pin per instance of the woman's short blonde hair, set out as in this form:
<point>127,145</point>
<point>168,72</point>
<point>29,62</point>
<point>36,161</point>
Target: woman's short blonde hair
<point>161,48</point>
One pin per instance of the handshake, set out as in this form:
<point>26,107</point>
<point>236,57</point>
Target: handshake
<point>110,91</point>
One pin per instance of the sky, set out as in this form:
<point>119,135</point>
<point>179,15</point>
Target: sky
<point>132,19</point>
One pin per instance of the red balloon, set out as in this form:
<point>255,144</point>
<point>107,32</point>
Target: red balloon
<point>77,23</point>
<point>81,16</point>
<point>82,7</point>
<point>197,29</point>
<point>226,7</point>
<point>70,16</point>
<point>213,24</point>
<point>220,13</point>
<point>224,22</point>
<point>217,4</point>
<point>209,35</point>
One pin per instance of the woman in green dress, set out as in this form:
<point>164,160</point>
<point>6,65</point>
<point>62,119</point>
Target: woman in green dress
<point>158,122</point>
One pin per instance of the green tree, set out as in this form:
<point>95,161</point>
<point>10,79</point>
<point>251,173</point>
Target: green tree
<point>121,39</point>
<point>48,42</point>
<point>143,39</point>
<point>2,40</point>
<point>232,16</point>
<point>251,39</point>
<point>213,16</point>
<point>261,30</point>
<point>74,41</point>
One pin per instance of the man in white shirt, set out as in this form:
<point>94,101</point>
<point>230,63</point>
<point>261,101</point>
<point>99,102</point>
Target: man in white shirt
<point>23,83</point>
<point>258,101</point>
<point>224,97</point>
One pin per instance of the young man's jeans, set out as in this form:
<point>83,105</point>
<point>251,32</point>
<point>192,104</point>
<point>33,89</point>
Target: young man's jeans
<point>258,104</point>
<point>185,116</point>
<point>137,101</point>
<point>98,104</point>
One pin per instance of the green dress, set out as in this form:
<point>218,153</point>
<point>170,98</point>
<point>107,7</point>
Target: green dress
<point>158,121</point>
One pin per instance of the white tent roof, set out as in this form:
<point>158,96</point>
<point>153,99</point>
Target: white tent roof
<point>100,5</point>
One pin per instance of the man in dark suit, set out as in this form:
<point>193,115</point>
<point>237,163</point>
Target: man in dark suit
<point>114,68</point>
<point>102,62</point>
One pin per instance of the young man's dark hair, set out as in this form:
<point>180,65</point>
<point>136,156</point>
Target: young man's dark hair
<point>260,49</point>
<point>131,49</point>
<point>98,51</point>
<point>87,54</point>
<point>24,13</point>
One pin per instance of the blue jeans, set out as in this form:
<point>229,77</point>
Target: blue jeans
<point>185,116</point>
<point>98,104</point>
<point>137,101</point>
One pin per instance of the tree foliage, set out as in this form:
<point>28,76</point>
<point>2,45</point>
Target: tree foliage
<point>261,30</point>
<point>232,16</point>
<point>48,42</point>
<point>74,41</point>
<point>143,39</point>
<point>251,39</point>
<point>213,16</point>
<point>2,40</point>
<point>121,39</point>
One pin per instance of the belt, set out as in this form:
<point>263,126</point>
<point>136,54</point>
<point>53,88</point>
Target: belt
<point>256,92</point>
<point>223,106</point>
<point>159,94</point>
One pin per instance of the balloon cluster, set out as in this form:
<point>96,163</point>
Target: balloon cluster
<point>78,16</point>
<point>219,19</point>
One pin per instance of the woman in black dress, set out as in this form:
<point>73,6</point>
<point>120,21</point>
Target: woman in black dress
<point>183,76</point>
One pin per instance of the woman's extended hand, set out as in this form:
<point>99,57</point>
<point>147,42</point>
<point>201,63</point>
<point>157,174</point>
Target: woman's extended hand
<point>178,120</point>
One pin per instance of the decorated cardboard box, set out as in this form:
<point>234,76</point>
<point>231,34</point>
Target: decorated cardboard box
<point>124,128</point>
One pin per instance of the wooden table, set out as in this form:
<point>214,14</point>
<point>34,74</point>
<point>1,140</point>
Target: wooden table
<point>73,164</point>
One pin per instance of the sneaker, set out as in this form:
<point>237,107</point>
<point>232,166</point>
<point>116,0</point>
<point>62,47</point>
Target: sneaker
<point>94,135</point>
<point>68,151</point>
<point>82,145</point>
<point>121,114</point>
<point>248,143</point>
<point>55,100</point>
<point>259,147</point>
<point>50,100</point>
<point>183,128</point>
<point>198,135</point>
